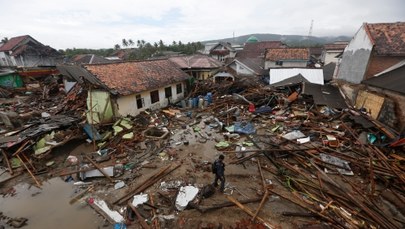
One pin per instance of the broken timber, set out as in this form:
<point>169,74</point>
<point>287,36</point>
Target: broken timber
<point>99,169</point>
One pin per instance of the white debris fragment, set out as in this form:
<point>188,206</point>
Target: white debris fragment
<point>140,199</point>
<point>186,194</point>
<point>114,215</point>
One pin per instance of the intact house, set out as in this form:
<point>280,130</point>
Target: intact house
<point>250,61</point>
<point>200,67</point>
<point>331,52</point>
<point>128,88</point>
<point>222,51</point>
<point>374,48</point>
<point>25,51</point>
<point>287,58</point>
<point>250,67</point>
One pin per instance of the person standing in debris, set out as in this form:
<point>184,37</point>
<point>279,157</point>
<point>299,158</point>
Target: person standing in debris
<point>218,168</point>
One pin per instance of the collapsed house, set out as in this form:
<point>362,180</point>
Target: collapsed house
<point>200,67</point>
<point>25,51</point>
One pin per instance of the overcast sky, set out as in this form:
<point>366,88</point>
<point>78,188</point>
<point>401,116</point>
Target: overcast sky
<point>101,24</point>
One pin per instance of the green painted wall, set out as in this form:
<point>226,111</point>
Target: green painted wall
<point>11,80</point>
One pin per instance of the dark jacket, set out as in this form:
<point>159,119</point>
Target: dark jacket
<point>220,166</point>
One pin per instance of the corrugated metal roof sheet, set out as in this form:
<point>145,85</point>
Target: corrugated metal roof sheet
<point>392,79</point>
<point>324,95</point>
<point>312,75</point>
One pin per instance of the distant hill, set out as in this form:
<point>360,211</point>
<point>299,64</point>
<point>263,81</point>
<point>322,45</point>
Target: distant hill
<point>290,40</point>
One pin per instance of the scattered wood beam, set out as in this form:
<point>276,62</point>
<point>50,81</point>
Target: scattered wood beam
<point>99,168</point>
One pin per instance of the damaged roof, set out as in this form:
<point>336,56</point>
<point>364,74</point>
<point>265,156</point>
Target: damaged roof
<point>391,79</point>
<point>254,64</point>
<point>257,49</point>
<point>388,38</point>
<point>341,45</point>
<point>276,54</point>
<point>313,75</point>
<point>89,59</point>
<point>290,81</point>
<point>13,43</point>
<point>324,95</point>
<point>196,61</point>
<point>136,76</point>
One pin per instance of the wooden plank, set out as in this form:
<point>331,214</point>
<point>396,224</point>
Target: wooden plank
<point>249,211</point>
<point>266,194</point>
<point>10,169</point>
<point>140,218</point>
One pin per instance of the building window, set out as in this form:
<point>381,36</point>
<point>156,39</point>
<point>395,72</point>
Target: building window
<point>179,88</point>
<point>154,96</point>
<point>279,62</point>
<point>139,102</point>
<point>168,92</point>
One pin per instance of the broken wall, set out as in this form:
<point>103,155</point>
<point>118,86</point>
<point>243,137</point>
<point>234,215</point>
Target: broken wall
<point>356,58</point>
<point>101,110</point>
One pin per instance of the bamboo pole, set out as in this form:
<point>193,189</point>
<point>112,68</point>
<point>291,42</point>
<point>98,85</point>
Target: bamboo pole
<point>249,211</point>
<point>10,169</point>
<point>266,194</point>
<point>29,171</point>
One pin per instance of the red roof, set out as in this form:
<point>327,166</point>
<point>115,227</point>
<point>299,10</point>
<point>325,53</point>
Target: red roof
<point>287,54</point>
<point>13,43</point>
<point>253,50</point>
<point>388,38</point>
<point>335,46</point>
<point>134,77</point>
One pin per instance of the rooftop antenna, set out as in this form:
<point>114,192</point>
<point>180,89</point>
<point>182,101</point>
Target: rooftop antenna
<point>233,36</point>
<point>310,32</point>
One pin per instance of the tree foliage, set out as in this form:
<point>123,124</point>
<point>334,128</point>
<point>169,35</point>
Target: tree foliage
<point>144,50</point>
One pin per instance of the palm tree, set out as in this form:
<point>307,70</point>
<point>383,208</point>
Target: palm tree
<point>124,43</point>
<point>131,42</point>
<point>4,40</point>
<point>117,46</point>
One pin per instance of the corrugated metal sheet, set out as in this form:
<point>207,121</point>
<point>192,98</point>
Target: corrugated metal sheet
<point>312,75</point>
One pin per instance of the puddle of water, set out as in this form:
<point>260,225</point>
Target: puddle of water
<point>49,207</point>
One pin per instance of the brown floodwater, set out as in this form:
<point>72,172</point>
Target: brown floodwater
<point>49,207</point>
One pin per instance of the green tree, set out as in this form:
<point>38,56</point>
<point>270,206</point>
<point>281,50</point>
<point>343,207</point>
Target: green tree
<point>124,43</point>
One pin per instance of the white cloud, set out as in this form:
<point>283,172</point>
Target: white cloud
<point>101,24</point>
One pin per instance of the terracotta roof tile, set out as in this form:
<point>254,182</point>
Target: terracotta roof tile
<point>196,61</point>
<point>12,43</point>
<point>253,50</point>
<point>133,77</point>
<point>276,54</point>
<point>388,38</point>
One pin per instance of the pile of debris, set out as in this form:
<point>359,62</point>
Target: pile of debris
<point>332,166</point>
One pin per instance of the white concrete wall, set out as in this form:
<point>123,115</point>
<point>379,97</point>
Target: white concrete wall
<point>126,105</point>
<point>286,64</point>
<point>356,57</point>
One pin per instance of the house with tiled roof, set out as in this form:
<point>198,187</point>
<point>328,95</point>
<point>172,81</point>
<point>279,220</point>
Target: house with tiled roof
<point>258,49</point>
<point>222,50</point>
<point>286,58</point>
<point>331,52</point>
<point>247,66</point>
<point>200,67</point>
<point>128,88</point>
<point>25,51</point>
<point>374,48</point>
